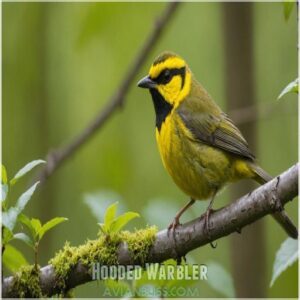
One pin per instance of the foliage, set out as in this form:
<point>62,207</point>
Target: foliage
<point>285,257</point>
<point>292,87</point>
<point>13,259</point>
<point>37,231</point>
<point>25,170</point>
<point>10,216</point>
<point>113,224</point>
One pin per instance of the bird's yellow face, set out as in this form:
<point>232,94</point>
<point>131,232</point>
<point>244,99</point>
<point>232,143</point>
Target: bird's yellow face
<point>170,76</point>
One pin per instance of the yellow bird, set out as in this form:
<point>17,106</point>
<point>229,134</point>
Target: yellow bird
<point>199,145</point>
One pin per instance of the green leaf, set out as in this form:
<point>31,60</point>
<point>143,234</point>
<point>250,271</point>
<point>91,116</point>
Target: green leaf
<point>288,8</point>
<point>99,201</point>
<point>36,225</point>
<point>285,257</point>
<point>26,221</point>
<point>24,238</point>
<point>3,175</point>
<point>7,235</point>
<point>122,220</point>
<point>220,280</point>
<point>4,191</point>
<point>50,224</point>
<point>25,170</point>
<point>13,259</point>
<point>292,87</point>
<point>25,197</point>
<point>9,218</point>
<point>110,214</point>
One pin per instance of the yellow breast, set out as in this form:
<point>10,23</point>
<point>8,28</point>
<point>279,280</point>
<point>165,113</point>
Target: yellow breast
<point>198,169</point>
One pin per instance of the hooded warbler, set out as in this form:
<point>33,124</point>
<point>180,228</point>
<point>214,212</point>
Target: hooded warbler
<point>200,146</point>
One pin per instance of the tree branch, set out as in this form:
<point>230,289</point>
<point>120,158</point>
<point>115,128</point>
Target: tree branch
<point>57,157</point>
<point>262,201</point>
<point>254,113</point>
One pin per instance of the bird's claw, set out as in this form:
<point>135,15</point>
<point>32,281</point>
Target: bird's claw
<point>207,229</point>
<point>173,225</point>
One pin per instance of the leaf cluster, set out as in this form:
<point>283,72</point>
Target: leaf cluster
<point>12,215</point>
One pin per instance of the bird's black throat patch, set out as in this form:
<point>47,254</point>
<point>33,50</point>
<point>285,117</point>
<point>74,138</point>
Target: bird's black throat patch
<point>161,106</point>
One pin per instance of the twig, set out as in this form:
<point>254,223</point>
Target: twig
<point>251,113</point>
<point>229,219</point>
<point>57,157</point>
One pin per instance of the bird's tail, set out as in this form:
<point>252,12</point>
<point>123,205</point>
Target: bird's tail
<point>281,217</point>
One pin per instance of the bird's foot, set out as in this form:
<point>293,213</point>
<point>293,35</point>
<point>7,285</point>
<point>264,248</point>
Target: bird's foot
<point>206,216</point>
<point>174,224</point>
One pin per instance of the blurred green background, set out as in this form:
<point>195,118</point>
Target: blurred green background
<point>62,61</point>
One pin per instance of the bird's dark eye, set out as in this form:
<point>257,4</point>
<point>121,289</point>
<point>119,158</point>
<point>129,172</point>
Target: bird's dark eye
<point>167,75</point>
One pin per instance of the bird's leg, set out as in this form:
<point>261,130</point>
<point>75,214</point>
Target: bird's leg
<point>175,222</point>
<point>206,220</point>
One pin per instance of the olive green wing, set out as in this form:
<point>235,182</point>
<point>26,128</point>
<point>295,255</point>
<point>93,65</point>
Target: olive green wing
<point>216,130</point>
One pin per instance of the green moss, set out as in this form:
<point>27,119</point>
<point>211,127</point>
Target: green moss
<point>139,242</point>
<point>102,250</point>
<point>26,283</point>
<point>63,261</point>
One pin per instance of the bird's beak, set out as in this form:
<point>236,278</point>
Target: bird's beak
<point>146,83</point>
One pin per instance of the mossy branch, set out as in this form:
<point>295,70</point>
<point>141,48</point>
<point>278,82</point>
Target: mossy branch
<point>71,266</point>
